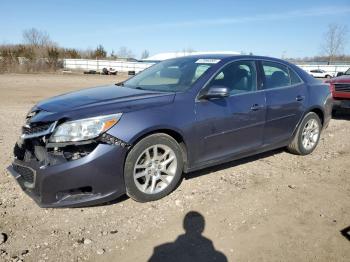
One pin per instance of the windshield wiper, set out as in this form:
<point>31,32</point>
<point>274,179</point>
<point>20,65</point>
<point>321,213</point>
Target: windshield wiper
<point>120,84</point>
<point>139,88</point>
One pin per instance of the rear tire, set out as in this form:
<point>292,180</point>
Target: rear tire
<point>307,135</point>
<point>153,168</point>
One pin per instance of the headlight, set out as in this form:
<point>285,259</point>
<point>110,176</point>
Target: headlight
<point>84,129</point>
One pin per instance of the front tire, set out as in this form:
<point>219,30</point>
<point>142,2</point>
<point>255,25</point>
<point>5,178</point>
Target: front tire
<point>307,135</point>
<point>153,168</point>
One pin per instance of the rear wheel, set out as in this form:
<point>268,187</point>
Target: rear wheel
<point>307,135</point>
<point>153,168</point>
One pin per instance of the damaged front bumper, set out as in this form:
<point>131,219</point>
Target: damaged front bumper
<point>72,175</point>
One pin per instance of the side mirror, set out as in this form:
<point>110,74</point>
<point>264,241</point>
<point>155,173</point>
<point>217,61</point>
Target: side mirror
<point>216,92</point>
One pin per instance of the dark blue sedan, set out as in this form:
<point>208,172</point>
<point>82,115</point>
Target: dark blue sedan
<point>139,137</point>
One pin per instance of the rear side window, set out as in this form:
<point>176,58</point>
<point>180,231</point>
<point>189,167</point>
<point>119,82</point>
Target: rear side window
<point>294,78</point>
<point>276,75</point>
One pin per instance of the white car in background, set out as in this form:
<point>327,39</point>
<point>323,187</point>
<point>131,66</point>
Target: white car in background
<point>319,73</point>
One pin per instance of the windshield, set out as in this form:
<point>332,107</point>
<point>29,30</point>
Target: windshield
<point>347,72</point>
<point>173,75</point>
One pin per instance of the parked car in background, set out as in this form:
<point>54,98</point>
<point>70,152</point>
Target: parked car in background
<point>340,87</point>
<point>319,73</point>
<point>342,73</point>
<point>109,71</point>
<point>180,115</point>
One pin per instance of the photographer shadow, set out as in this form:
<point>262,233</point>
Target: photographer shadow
<point>191,246</point>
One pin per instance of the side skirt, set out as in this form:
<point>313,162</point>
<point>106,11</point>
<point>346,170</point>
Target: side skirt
<point>234,157</point>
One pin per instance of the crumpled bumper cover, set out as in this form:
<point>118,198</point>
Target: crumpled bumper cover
<point>94,179</point>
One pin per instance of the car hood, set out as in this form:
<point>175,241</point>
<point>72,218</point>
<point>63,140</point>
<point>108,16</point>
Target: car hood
<point>98,101</point>
<point>340,79</point>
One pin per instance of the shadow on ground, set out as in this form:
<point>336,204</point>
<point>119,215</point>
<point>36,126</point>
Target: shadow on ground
<point>234,163</point>
<point>191,246</point>
<point>341,114</point>
<point>346,232</point>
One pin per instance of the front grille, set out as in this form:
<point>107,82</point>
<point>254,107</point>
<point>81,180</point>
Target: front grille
<point>342,87</point>
<point>26,173</point>
<point>30,130</point>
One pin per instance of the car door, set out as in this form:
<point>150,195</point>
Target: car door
<point>320,73</point>
<point>234,124</point>
<point>285,100</point>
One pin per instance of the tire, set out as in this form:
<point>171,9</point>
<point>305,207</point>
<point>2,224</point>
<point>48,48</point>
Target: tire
<point>328,76</point>
<point>297,146</point>
<point>143,166</point>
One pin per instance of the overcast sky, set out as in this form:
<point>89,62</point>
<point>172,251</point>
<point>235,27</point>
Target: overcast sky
<point>275,28</point>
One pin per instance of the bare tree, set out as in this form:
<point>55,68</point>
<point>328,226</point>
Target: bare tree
<point>113,55</point>
<point>53,54</point>
<point>145,54</point>
<point>37,38</point>
<point>100,52</point>
<point>124,52</point>
<point>334,40</point>
<point>188,50</point>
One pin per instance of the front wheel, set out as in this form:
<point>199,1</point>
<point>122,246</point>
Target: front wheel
<point>307,135</point>
<point>153,168</point>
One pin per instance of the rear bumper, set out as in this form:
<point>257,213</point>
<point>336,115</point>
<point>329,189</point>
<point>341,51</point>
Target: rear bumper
<point>328,107</point>
<point>90,180</point>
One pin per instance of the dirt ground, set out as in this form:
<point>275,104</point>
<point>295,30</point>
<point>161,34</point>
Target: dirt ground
<point>272,207</point>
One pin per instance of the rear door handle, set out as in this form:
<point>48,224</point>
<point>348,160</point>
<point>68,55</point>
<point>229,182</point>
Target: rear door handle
<point>300,98</point>
<point>256,107</point>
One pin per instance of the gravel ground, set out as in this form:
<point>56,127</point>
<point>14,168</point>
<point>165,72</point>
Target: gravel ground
<point>272,207</point>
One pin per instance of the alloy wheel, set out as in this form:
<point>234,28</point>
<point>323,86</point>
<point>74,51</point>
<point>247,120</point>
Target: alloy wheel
<point>155,168</point>
<point>310,134</point>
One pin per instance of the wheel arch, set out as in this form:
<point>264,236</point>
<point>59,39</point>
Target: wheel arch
<point>175,134</point>
<point>318,111</point>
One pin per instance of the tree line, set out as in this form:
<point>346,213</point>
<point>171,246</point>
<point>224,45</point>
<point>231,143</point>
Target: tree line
<point>38,52</point>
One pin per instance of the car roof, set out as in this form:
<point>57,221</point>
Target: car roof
<point>231,57</point>
<point>234,57</point>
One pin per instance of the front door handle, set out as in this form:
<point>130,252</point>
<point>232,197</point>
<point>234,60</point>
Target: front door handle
<point>256,107</point>
<point>300,98</point>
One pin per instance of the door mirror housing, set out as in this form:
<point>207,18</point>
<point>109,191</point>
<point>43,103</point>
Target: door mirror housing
<point>216,92</point>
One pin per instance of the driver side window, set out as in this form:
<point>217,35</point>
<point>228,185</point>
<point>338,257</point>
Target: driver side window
<point>239,77</point>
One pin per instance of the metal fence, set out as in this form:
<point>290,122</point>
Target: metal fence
<point>334,69</point>
<point>98,65</point>
<point>125,66</point>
